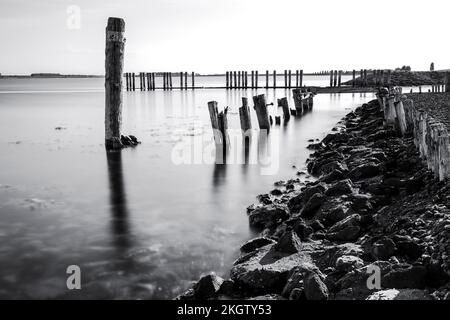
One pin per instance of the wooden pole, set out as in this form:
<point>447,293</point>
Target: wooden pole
<point>331,78</point>
<point>226,80</point>
<point>261,112</point>
<point>335,78</point>
<point>290,77</point>
<point>193,80</point>
<point>267,79</point>
<point>153,81</point>
<point>244,115</point>
<point>301,78</point>
<point>340,78</point>
<point>239,79</point>
<point>286,112</point>
<point>114,52</point>
<point>362,78</point>
<point>285,78</point>
<point>296,78</point>
<point>181,80</point>
<point>447,82</point>
<point>354,77</point>
<point>298,96</point>
<point>274,79</point>
<point>213,115</point>
<point>256,79</point>
<point>253,80</point>
<point>246,79</point>
<point>170,77</point>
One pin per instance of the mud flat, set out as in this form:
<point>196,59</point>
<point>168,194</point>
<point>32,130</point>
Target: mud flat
<point>374,225</point>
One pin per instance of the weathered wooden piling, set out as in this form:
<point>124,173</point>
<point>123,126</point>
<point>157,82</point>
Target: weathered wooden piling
<point>235,79</point>
<point>301,78</point>
<point>246,80</point>
<point>340,78</point>
<point>114,53</point>
<point>353,78</point>
<point>285,79</point>
<point>365,78</point>
<point>297,95</point>
<point>193,80</point>
<point>226,80</point>
<point>296,78</point>
<point>267,79</point>
<point>185,80</point>
<point>256,79</point>
<point>253,79</point>
<point>219,124</point>
<point>244,116</point>
<point>335,78</point>
<point>239,80</point>
<point>289,77</point>
<point>283,103</point>
<point>261,112</point>
<point>274,79</point>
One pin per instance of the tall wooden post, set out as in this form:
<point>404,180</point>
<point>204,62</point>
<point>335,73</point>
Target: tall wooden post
<point>353,78</point>
<point>246,80</point>
<point>181,80</point>
<point>298,97</point>
<point>261,112</point>
<point>253,79</point>
<point>274,79</point>
<point>340,78</point>
<point>301,78</point>
<point>256,79</point>
<point>186,80</point>
<point>267,79</point>
<point>296,78</point>
<point>193,80</point>
<point>235,79</point>
<point>170,79</point>
<point>244,116</point>
<point>114,53</point>
<point>335,78</point>
<point>285,79</point>
<point>290,77</point>
<point>286,112</point>
<point>239,80</point>
<point>226,80</point>
<point>331,78</point>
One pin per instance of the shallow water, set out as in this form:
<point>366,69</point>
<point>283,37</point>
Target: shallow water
<point>145,222</point>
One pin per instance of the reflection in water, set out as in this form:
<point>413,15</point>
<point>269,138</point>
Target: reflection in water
<point>119,213</point>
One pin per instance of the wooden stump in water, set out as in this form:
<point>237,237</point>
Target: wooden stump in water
<point>297,95</point>
<point>286,112</point>
<point>244,115</point>
<point>261,112</point>
<point>114,53</point>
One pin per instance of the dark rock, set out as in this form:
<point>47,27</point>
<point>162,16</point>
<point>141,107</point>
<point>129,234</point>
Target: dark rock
<point>276,192</point>
<point>256,243</point>
<point>317,225</point>
<point>346,230</point>
<point>341,188</point>
<point>288,243</point>
<point>313,205</point>
<point>334,175</point>
<point>302,230</point>
<point>267,216</point>
<point>401,294</point>
<point>407,247</point>
<point>264,199</point>
<point>315,288</point>
<point>408,277</point>
<point>347,263</point>
<point>297,294</point>
<point>383,249</point>
<point>364,171</point>
<point>207,286</point>
<point>227,288</point>
<point>297,202</point>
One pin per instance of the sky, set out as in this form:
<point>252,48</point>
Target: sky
<point>213,36</point>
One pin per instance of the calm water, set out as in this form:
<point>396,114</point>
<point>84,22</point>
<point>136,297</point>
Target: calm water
<point>145,222</point>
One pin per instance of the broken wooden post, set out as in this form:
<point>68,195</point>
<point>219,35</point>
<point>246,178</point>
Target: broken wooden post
<point>286,112</point>
<point>261,112</point>
<point>298,96</point>
<point>244,115</point>
<point>114,52</point>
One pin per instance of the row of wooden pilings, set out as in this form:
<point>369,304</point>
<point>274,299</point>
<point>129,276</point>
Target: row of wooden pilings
<point>147,81</point>
<point>303,101</point>
<point>239,79</point>
<point>431,137</point>
<point>380,78</point>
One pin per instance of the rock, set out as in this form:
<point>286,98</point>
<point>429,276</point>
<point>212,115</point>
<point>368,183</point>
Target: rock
<point>334,175</point>
<point>316,225</point>
<point>264,199</point>
<point>265,272</point>
<point>288,243</point>
<point>207,286</point>
<point>256,243</point>
<point>406,277</point>
<point>364,171</point>
<point>402,294</point>
<point>346,230</point>
<point>267,216</point>
<point>302,230</point>
<point>336,138</point>
<point>267,297</point>
<point>297,202</point>
<point>346,263</point>
<point>326,168</point>
<point>276,192</point>
<point>340,188</point>
<point>407,247</point>
<point>295,281</point>
<point>315,288</point>
<point>297,294</point>
<point>313,205</point>
<point>383,249</point>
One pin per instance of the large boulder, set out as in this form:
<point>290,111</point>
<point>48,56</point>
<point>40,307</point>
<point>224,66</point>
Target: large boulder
<point>256,243</point>
<point>346,230</point>
<point>346,263</point>
<point>400,294</point>
<point>208,286</point>
<point>297,202</point>
<point>315,288</point>
<point>340,188</point>
<point>383,249</point>
<point>267,216</point>
<point>266,271</point>
<point>313,205</point>
<point>405,277</point>
<point>288,243</point>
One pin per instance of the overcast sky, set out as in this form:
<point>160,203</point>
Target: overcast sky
<point>211,36</point>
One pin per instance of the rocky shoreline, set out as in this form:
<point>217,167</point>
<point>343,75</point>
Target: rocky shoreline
<point>374,225</point>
